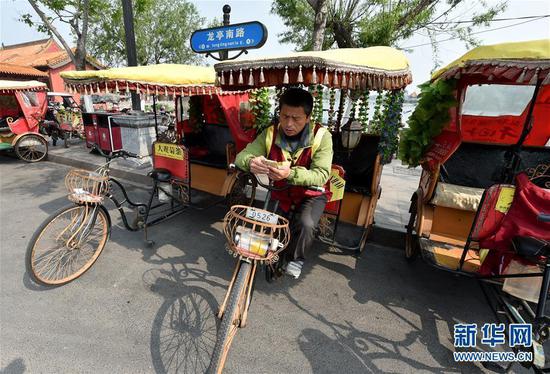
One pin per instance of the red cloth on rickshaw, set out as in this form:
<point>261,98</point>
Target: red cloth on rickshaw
<point>521,220</point>
<point>231,105</point>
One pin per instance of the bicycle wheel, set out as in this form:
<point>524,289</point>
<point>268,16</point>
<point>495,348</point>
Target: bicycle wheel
<point>231,320</point>
<point>67,244</point>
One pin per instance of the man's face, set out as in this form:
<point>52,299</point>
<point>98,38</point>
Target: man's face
<point>293,119</point>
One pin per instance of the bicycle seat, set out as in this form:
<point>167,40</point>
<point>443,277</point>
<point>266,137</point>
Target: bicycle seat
<point>161,175</point>
<point>527,246</point>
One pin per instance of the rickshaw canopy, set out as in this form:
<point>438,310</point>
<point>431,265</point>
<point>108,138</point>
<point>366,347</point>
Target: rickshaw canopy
<point>161,79</point>
<point>12,86</point>
<point>23,97</point>
<point>503,94</point>
<point>518,62</point>
<point>351,68</point>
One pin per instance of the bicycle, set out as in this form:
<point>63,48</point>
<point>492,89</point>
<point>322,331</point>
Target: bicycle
<point>68,243</point>
<point>254,236</point>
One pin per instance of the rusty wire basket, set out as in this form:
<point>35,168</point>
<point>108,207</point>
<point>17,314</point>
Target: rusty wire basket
<point>86,187</point>
<point>255,233</point>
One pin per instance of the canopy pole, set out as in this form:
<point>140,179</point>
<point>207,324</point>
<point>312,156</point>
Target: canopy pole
<point>513,165</point>
<point>155,112</point>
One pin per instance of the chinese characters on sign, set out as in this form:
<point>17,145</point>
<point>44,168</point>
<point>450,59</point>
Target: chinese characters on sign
<point>169,150</point>
<point>493,334</point>
<point>233,37</point>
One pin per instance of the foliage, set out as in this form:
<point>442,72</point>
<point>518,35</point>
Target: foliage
<point>75,13</point>
<point>429,118</point>
<point>362,23</point>
<point>390,123</point>
<point>162,30</point>
<point>364,110</point>
<point>261,108</point>
<point>377,117</point>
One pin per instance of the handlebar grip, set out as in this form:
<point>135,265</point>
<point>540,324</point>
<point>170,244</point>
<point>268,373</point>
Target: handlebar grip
<point>316,188</point>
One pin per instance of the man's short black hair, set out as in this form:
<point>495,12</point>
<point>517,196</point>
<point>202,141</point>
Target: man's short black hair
<point>296,97</point>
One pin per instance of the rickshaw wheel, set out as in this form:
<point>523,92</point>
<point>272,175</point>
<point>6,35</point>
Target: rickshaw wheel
<point>411,240</point>
<point>67,244</point>
<point>31,148</point>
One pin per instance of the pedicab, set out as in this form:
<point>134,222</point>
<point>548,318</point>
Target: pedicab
<point>257,236</point>
<point>207,134</point>
<point>63,119</point>
<point>364,136</point>
<point>481,132</point>
<point>80,231</point>
<point>22,108</point>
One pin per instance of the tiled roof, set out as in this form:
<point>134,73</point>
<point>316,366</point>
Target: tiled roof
<point>21,70</point>
<point>39,53</point>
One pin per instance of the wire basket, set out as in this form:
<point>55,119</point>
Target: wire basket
<point>86,187</point>
<point>255,233</point>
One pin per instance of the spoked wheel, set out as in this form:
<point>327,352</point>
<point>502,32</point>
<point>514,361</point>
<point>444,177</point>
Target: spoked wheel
<point>411,240</point>
<point>243,186</point>
<point>68,244</point>
<point>31,148</point>
<point>231,319</point>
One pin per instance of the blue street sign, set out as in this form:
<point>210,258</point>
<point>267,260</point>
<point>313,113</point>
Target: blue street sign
<point>239,36</point>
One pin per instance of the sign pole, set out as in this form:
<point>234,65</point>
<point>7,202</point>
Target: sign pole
<point>226,15</point>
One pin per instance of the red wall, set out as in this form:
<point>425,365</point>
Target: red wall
<point>56,82</point>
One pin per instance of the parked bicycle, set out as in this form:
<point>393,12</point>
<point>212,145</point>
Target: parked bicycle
<point>69,242</point>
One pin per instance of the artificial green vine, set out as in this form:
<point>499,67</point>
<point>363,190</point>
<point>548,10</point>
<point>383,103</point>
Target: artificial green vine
<point>261,108</point>
<point>332,102</point>
<point>364,110</point>
<point>377,117</point>
<point>389,124</point>
<point>429,118</point>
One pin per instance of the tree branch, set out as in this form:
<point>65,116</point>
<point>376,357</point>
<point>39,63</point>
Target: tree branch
<point>53,29</point>
<point>423,4</point>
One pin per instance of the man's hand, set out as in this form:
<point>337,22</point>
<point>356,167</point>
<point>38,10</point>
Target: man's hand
<point>257,166</point>
<point>277,174</point>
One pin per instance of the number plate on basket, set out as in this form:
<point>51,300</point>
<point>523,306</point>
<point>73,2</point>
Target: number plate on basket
<point>261,216</point>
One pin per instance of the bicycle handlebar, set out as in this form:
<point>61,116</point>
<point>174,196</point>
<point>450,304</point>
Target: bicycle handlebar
<point>270,186</point>
<point>115,154</point>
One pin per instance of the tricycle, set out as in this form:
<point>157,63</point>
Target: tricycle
<point>63,119</point>
<point>22,108</point>
<point>70,241</point>
<point>481,133</point>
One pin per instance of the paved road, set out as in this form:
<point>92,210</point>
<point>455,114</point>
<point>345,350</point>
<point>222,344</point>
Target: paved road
<point>152,311</point>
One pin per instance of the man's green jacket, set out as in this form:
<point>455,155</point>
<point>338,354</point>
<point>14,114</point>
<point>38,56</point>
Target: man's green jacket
<point>316,175</point>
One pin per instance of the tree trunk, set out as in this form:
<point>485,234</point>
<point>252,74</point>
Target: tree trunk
<point>342,35</point>
<point>80,53</point>
<point>319,26</point>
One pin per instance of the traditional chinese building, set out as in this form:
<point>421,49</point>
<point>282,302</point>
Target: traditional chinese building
<point>43,60</point>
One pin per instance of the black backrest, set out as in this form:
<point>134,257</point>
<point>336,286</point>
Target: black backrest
<point>359,164</point>
<point>482,165</point>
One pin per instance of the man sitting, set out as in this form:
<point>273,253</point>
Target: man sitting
<point>303,151</point>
